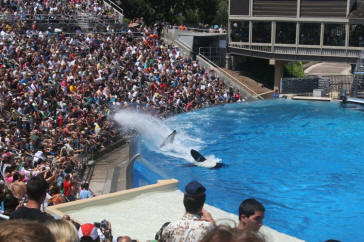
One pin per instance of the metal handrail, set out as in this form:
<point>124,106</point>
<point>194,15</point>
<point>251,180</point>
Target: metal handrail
<point>115,6</point>
<point>337,51</point>
<point>230,76</point>
<point>183,45</point>
<point>134,34</point>
<point>196,30</point>
<point>69,34</point>
<point>265,93</point>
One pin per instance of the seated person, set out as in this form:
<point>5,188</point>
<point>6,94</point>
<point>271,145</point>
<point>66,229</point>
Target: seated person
<point>196,222</point>
<point>251,215</point>
<point>36,191</point>
<point>10,204</point>
<point>18,187</point>
<point>63,230</point>
<point>25,230</point>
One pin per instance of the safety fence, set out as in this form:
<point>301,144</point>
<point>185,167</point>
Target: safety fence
<point>324,86</point>
<point>91,152</point>
<point>198,29</point>
<point>215,54</point>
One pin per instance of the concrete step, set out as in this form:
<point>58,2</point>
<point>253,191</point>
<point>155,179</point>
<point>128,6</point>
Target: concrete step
<point>252,84</point>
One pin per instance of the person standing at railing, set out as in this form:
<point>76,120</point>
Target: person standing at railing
<point>276,94</point>
<point>182,27</point>
<point>85,192</point>
<point>67,187</point>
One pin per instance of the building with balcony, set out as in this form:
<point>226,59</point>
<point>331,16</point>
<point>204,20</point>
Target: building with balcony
<point>290,30</point>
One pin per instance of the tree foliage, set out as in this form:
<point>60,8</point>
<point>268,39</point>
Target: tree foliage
<point>294,69</point>
<point>178,11</point>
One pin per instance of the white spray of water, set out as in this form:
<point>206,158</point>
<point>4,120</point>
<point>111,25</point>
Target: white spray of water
<point>154,131</point>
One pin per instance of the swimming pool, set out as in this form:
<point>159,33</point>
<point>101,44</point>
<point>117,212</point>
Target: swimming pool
<point>302,160</point>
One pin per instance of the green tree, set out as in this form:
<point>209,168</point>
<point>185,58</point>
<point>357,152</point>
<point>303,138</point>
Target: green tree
<point>294,69</point>
<point>177,11</point>
<point>221,16</point>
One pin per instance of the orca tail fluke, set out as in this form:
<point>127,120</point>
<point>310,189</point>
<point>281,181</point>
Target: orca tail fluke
<point>197,156</point>
<point>169,139</point>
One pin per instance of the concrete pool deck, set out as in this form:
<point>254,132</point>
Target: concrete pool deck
<point>310,98</point>
<point>102,178</point>
<point>140,212</point>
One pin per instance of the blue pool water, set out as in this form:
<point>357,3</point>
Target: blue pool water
<point>302,160</point>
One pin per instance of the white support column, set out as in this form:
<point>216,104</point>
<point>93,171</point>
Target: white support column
<point>278,72</point>
<point>322,34</point>
<point>297,34</point>
<point>251,2</point>
<point>273,35</point>
<point>250,32</point>
<point>347,33</point>
<point>348,7</point>
<point>228,32</point>
<point>298,9</point>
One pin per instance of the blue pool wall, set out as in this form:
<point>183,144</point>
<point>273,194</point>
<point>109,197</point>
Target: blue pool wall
<point>143,176</point>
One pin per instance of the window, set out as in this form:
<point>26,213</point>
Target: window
<point>239,31</point>
<point>356,35</point>
<point>310,33</point>
<point>334,34</point>
<point>285,33</point>
<point>262,32</point>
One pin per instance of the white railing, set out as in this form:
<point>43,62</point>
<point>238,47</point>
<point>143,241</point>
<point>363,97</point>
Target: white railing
<point>116,8</point>
<point>332,51</point>
<point>197,30</point>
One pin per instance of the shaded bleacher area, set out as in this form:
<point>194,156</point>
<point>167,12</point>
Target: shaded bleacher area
<point>60,86</point>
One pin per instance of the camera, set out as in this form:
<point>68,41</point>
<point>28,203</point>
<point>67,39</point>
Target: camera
<point>104,224</point>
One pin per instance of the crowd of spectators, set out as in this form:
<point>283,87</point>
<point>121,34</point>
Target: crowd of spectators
<point>202,28</point>
<point>58,94</point>
<point>28,9</point>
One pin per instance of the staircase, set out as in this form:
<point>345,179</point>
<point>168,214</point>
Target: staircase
<point>257,87</point>
<point>84,23</point>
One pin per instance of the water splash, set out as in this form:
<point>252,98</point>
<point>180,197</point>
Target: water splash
<point>154,131</point>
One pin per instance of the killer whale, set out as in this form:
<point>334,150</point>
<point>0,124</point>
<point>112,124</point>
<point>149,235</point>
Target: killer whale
<point>169,139</point>
<point>200,158</point>
<point>197,156</point>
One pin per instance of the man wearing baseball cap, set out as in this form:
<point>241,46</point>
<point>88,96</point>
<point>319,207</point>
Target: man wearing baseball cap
<point>196,222</point>
<point>88,233</point>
